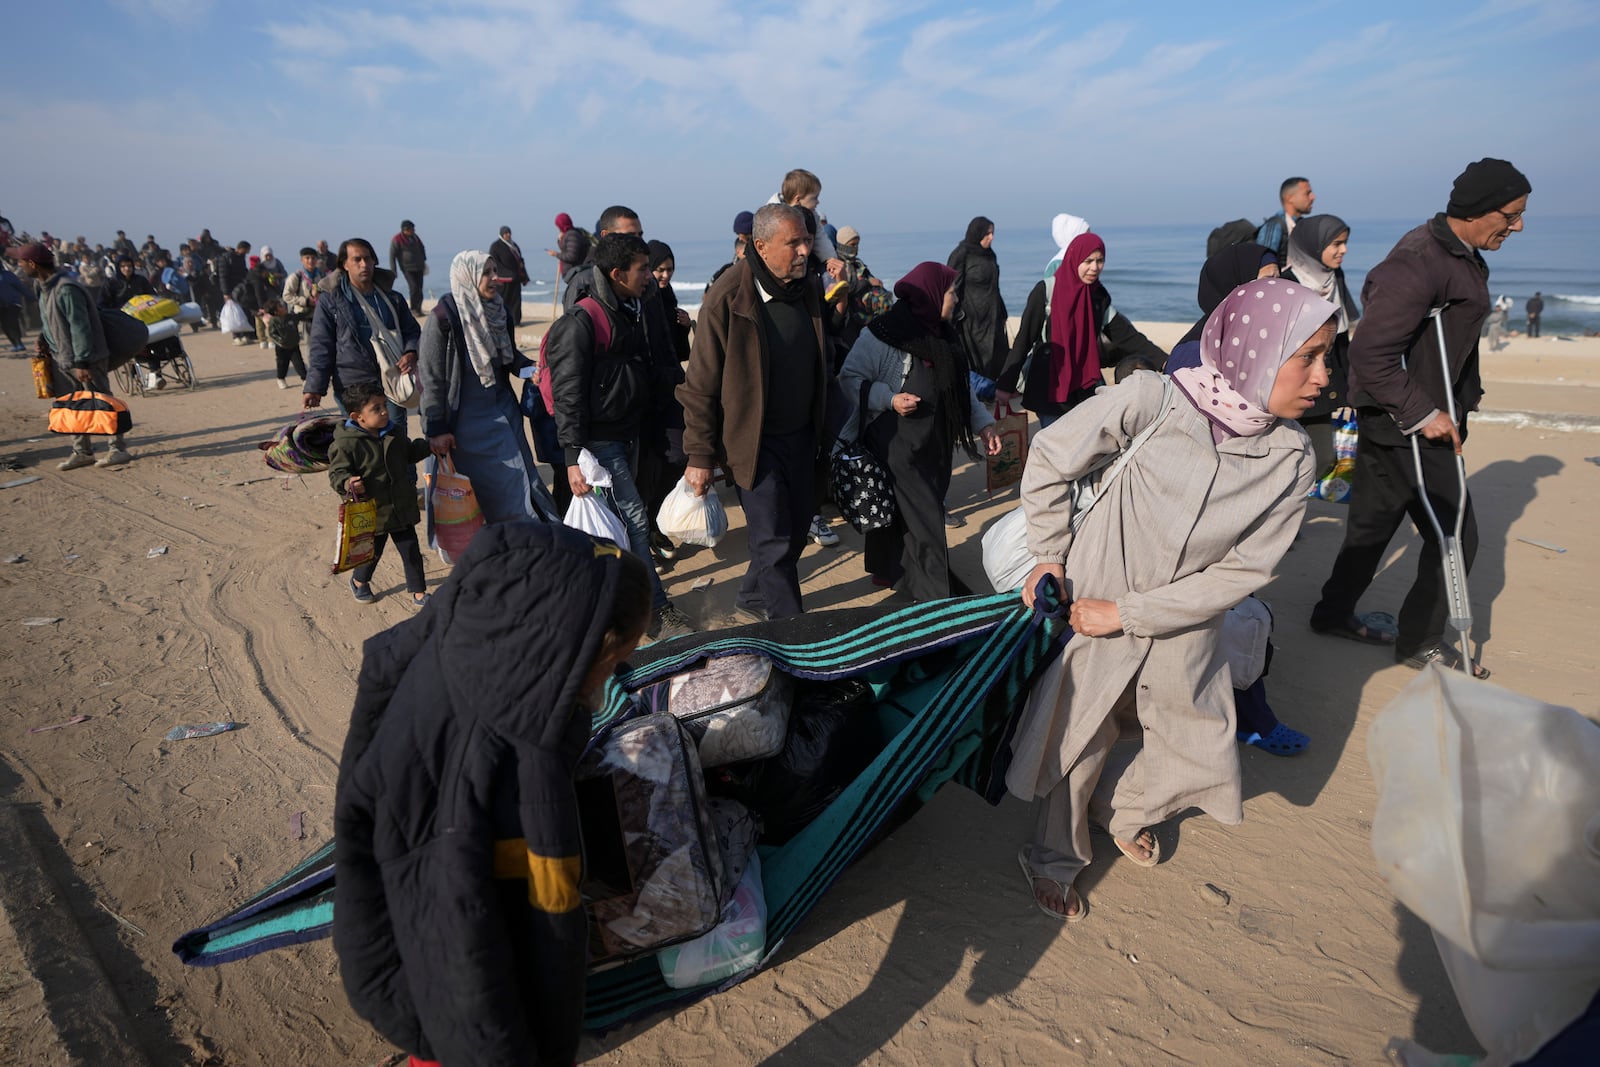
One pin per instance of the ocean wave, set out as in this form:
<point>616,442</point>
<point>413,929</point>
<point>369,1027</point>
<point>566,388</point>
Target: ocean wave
<point>1572,298</point>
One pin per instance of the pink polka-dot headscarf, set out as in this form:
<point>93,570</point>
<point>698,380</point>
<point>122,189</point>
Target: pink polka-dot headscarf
<point>1250,335</point>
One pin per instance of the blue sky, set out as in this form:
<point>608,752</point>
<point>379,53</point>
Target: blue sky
<point>285,122</point>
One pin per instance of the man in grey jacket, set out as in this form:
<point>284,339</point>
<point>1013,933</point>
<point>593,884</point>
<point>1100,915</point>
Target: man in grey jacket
<point>409,258</point>
<point>73,335</point>
<point>1437,265</point>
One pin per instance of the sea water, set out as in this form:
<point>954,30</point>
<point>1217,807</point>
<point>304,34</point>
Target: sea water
<point>1152,271</point>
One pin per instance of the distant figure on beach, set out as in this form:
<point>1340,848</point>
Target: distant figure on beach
<point>753,403</point>
<point>1438,263</point>
<point>1316,258</point>
<point>1212,501</point>
<point>1535,308</point>
<point>1295,197</point>
<point>1495,327</point>
<point>982,324</point>
<point>408,257</point>
<point>509,265</point>
<point>73,337</point>
<point>1070,331</point>
<point>573,246</point>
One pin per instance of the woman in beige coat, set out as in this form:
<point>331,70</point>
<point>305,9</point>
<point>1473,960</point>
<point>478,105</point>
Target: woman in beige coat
<point>1196,522</point>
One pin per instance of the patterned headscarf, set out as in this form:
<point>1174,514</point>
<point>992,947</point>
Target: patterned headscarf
<point>482,321</point>
<point>1246,340</point>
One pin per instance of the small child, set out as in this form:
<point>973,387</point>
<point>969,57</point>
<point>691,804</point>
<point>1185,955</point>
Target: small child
<point>369,460</point>
<point>285,338</point>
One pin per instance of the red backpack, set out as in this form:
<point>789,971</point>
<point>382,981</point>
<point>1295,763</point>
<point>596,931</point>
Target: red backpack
<point>602,341</point>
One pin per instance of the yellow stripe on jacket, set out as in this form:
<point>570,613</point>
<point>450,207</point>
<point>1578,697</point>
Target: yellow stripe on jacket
<point>552,880</point>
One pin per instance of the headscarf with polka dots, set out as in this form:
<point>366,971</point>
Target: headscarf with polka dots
<point>1248,337</point>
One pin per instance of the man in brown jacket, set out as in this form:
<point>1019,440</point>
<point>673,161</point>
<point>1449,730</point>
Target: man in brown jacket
<point>753,401</point>
<point>1438,264</point>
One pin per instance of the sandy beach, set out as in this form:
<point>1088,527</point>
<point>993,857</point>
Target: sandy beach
<point>927,953</point>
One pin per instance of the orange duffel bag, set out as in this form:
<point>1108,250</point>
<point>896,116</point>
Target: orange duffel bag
<point>89,412</point>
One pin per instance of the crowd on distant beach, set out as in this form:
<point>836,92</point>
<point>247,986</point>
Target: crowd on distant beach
<point>811,385</point>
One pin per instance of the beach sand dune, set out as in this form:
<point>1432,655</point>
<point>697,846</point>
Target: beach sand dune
<point>928,952</point>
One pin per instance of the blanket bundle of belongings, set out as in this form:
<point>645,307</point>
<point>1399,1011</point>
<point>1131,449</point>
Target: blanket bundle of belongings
<point>732,776</point>
<point>678,794</point>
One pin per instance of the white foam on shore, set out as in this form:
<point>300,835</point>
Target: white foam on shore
<point>1534,420</point>
<point>1571,298</point>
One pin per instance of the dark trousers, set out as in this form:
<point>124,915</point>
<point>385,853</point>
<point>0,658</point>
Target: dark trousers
<point>1384,493</point>
<point>414,281</point>
<point>1533,326</point>
<point>11,323</point>
<point>405,542</point>
<point>511,297</point>
<point>777,515</point>
<point>287,356</point>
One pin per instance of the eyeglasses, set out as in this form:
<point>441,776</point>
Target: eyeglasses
<point>1512,218</point>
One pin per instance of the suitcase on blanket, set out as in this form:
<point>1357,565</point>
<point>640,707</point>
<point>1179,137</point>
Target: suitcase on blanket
<point>735,707</point>
<point>653,870</point>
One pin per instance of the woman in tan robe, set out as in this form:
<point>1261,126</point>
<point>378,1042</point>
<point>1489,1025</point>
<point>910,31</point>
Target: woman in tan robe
<point>1197,521</point>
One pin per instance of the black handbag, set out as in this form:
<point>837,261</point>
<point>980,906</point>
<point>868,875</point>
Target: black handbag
<point>862,488</point>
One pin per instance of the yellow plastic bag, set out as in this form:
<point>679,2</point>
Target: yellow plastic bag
<point>358,524</point>
<point>151,309</point>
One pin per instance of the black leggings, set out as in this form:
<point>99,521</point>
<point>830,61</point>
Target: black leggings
<point>287,356</point>
<point>11,323</point>
<point>405,542</point>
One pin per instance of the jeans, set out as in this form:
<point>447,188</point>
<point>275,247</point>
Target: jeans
<point>620,457</point>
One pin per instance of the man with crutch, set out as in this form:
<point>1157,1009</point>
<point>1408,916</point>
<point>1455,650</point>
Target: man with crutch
<point>1411,364</point>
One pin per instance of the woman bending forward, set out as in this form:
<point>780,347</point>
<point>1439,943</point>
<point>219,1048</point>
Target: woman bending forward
<point>1196,522</point>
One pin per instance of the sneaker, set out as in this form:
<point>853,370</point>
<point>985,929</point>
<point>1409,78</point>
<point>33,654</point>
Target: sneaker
<point>74,461</point>
<point>154,381</point>
<point>265,345</point>
<point>114,457</point>
<point>954,521</point>
<point>362,591</point>
<point>669,622</point>
<point>821,533</point>
<point>18,348</point>
<point>662,546</point>
<point>282,384</point>
<point>240,341</point>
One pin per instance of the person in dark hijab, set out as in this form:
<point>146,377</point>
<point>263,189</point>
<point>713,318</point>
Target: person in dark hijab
<point>982,320</point>
<point>910,369</point>
<point>662,266</point>
<point>1222,274</point>
<point>458,917</point>
<point>1316,260</point>
<point>662,464</point>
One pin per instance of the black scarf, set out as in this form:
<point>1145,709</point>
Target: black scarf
<point>791,292</point>
<point>972,243</point>
<point>899,328</point>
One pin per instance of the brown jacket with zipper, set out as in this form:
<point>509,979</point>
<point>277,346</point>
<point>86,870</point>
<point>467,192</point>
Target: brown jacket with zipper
<point>725,382</point>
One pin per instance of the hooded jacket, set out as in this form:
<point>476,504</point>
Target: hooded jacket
<point>457,917</point>
<point>339,357</point>
<point>383,462</point>
<point>1427,268</point>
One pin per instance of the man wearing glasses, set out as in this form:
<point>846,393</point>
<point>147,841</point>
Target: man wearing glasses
<point>1438,264</point>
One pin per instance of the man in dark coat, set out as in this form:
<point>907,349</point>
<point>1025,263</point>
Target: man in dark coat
<point>1399,385</point>
<point>408,257</point>
<point>458,917</point>
<point>1535,310</point>
<point>506,255</point>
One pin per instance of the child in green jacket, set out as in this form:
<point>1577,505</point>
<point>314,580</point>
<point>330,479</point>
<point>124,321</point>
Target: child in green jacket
<point>368,460</point>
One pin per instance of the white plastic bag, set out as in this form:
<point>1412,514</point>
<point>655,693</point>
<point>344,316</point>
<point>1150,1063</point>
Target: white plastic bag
<point>1246,633</point>
<point>735,944</point>
<point>1488,828</point>
<point>592,512</point>
<point>690,519</point>
<point>233,319</point>
<point>1006,559</point>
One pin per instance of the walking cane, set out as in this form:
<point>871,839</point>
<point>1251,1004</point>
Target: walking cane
<point>1455,564</point>
<point>555,298</point>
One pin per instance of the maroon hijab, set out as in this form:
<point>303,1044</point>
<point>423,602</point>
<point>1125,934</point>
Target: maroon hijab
<point>923,289</point>
<point>1074,335</point>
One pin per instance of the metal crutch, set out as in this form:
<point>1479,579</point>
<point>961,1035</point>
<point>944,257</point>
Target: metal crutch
<point>1455,565</point>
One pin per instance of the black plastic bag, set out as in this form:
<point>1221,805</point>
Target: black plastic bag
<point>833,735</point>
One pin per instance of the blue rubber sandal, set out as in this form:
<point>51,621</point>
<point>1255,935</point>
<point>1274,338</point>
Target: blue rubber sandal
<point>362,592</point>
<point>1282,741</point>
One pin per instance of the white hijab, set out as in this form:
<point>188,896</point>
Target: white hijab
<point>482,321</point>
<point>1064,228</point>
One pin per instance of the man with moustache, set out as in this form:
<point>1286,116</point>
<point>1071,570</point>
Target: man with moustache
<point>1438,264</point>
<point>506,255</point>
<point>753,401</point>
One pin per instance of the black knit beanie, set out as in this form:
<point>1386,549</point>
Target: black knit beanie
<point>1484,186</point>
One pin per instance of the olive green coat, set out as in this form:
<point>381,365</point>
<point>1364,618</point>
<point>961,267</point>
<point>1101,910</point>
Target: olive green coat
<point>384,463</point>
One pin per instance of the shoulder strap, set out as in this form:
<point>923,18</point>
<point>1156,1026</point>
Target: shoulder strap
<point>1088,493</point>
<point>600,320</point>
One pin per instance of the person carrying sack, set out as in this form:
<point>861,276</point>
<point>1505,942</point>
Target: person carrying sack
<point>72,334</point>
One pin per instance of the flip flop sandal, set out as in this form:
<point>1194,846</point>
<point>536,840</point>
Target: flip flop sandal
<point>1448,658</point>
<point>1027,873</point>
<point>1282,741</point>
<point>363,593</point>
<point>1132,853</point>
<point>1365,630</point>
